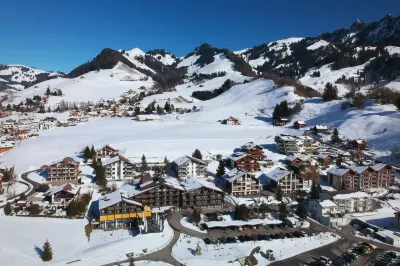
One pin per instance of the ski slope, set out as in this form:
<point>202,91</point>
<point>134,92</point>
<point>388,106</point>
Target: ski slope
<point>92,86</point>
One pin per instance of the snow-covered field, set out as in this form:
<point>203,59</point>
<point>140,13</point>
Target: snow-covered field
<point>191,226</point>
<point>21,242</point>
<point>184,249</point>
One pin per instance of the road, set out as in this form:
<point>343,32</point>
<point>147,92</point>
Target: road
<point>34,184</point>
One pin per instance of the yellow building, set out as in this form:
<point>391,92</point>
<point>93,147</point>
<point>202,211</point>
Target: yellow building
<point>119,212</point>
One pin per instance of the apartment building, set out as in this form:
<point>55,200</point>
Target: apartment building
<point>244,162</point>
<point>385,174</point>
<point>116,211</point>
<point>288,181</point>
<point>295,144</point>
<point>201,194</point>
<point>187,166</point>
<point>118,168</point>
<point>65,169</point>
<point>237,182</point>
<point>354,202</point>
<point>327,213</point>
<point>63,194</point>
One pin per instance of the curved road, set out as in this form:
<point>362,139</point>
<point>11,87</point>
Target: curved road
<point>34,185</point>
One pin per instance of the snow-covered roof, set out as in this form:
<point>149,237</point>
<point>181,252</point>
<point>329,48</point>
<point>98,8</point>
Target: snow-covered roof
<point>323,156</point>
<point>196,183</point>
<point>300,122</point>
<point>70,188</point>
<point>359,141</point>
<point>354,195</point>
<point>149,117</point>
<point>234,223</point>
<point>327,204</point>
<point>237,156</point>
<point>184,159</point>
<point>250,145</point>
<point>114,198</point>
<point>321,127</point>
<point>233,175</point>
<point>337,171</point>
<point>379,166</point>
<point>277,174</point>
<point>110,160</point>
<point>359,168</point>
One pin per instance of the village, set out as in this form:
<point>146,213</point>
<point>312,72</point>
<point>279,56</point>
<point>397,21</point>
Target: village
<point>294,189</point>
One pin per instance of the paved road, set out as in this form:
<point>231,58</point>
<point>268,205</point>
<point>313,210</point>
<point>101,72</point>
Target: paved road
<point>34,184</point>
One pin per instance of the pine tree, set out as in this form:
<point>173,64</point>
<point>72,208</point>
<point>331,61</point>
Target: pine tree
<point>220,169</point>
<point>301,211</point>
<point>7,209</point>
<point>101,179</point>
<point>397,104</point>
<point>167,165</point>
<point>47,254</point>
<point>283,212</point>
<point>137,111</point>
<point>144,167</point>
<point>72,209</point>
<point>49,110</point>
<point>330,92</point>
<point>48,91</point>
<point>92,152</point>
<point>197,154</point>
<point>167,107</point>
<point>279,193</point>
<point>335,136</point>
<point>314,191</point>
<point>87,153</point>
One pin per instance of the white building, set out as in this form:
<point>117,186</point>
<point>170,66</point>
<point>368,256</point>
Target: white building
<point>354,202</point>
<point>118,168</point>
<point>295,144</point>
<point>327,213</point>
<point>187,166</point>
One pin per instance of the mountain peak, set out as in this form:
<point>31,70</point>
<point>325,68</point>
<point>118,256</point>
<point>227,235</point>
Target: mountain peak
<point>357,25</point>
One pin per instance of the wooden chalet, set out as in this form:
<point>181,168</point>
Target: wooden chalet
<point>233,121</point>
<point>245,162</point>
<point>358,144</point>
<point>254,150</point>
<point>299,124</point>
<point>63,194</point>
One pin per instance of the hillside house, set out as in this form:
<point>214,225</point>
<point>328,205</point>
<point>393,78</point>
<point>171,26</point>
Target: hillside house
<point>320,129</point>
<point>118,168</point>
<point>62,194</point>
<point>325,159</point>
<point>237,182</point>
<point>65,169</point>
<point>385,174</point>
<point>299,124</point>
<point>244,161</point>
<point>106,152</point>
<point>358,144</point>
<point>233,121</point>
<point>286,180</point>
<point>187,166</point>
<point>254,150</point>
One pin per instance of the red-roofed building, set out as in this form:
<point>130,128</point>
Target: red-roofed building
<point>233,121</point>
<point>107,152</point>
<point>66,169</point>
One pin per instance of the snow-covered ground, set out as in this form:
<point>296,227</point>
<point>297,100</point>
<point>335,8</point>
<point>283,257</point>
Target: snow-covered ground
<point>191,226</point>
<point>184,249</point>
<point>21,243</point>
<point>148,263</point>
<point>318,45</point>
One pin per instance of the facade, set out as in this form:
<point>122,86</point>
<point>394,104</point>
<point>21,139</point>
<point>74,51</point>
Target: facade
<point>118,168</point>
<point>244,161</point>
<point>117,211</point>
<point>299,124</point>
<point>325,159</point>
<point>237,182</point>
<point>187,166</point>
<point>63,194</point>
<point>201,194</point>
<point>385,174</point>
<point>343,179</point>
<point>254,150</point>
<point>354,202</point>
<point>367,177</point>
<point>233,121</point>
<point>292,145</point>
<point>358,144</point>
<point>66,169</point>
<point>191,193</point>
<point>327,213</point>
<point>107,152</point>
<point>286,180</point>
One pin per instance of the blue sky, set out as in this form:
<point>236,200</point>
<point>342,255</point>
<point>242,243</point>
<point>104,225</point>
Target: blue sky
<point>62,34</point>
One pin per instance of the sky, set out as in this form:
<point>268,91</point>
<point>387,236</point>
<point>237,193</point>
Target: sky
<point>60,35</point>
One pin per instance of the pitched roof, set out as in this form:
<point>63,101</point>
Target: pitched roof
<point>250,145</point>
<point>232,118</point>
<point>358,195</point>
<point>70,188</point>
<point>114,198</point>
<point>321,127</point>
<point>233,175</point>
<point>379,166</point>
<point>337,171</point>
<point>300,122</point>
<point>327,204</point>
<point>196,183</point>
<point>277,174</point>
<point>116,159</point>
<point>107,147</point>
<point>184,159</point>
<point>239,155</point>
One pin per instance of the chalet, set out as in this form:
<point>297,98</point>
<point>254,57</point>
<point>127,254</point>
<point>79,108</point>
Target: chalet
<point>118,168</point>
<point>358,144</point>
<point>62,194</point>
<point>280,121</point>
<point>65,169</point>
<point>106,152</point>
<point>244,161</point>
<point>385,174</point>
<point>320,128</point>
<point>254,150</point>
<point>187,166</point>
<point>325,159</point>
<point>117,211</point>
<point>367,176</point>
<point>233,121</point>
<point>286,180</point>
<point>148,118</point>
<point>237,182</point>
<point>299,124</point>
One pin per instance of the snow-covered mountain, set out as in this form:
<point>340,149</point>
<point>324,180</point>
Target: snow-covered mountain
<point>17,77</point>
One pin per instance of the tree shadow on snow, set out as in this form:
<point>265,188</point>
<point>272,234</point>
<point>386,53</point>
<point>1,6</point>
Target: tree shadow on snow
<point>264,119</point>
<point>192,251</point>
<point>39,251</point>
